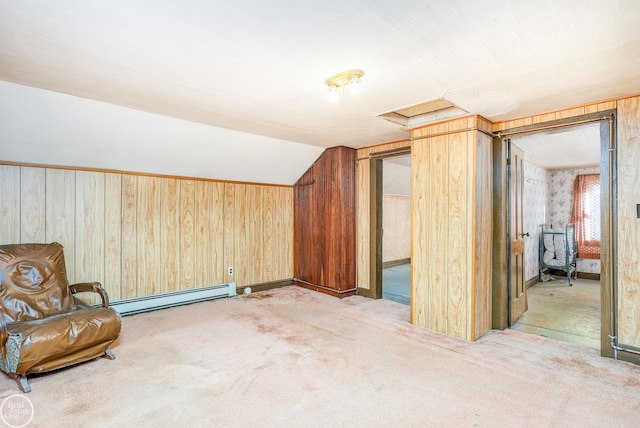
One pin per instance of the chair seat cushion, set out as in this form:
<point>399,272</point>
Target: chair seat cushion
<point>61,340</point>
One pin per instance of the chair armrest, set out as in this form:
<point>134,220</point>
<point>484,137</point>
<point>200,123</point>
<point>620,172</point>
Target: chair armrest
<point>92,287</point>
<point>4,335</point>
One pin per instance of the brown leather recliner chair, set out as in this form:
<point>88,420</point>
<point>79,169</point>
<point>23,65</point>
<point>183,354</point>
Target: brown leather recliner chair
<point>43,326</point>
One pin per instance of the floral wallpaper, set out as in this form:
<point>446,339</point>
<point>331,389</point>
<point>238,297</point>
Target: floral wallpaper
<point>535,196</point>
<point>560,204</point>
<point>548,198</point>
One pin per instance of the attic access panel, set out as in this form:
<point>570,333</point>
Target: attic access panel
<point>424,113</point>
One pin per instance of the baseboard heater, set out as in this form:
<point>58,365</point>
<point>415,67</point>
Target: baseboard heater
<point>174,298</point>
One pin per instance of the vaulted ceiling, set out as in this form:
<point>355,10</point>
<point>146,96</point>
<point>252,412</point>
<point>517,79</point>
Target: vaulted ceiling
<point>259,67</point>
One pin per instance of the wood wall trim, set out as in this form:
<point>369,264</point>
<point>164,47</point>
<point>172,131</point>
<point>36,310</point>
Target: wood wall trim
<point>125,172</point>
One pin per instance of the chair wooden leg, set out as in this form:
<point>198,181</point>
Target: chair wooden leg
<point>109,355</point>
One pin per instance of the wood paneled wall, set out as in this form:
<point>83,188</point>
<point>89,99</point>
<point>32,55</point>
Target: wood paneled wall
<point>451,257</point>
<point>324,228</point>
<point>140,235</point>
<point>628,260</point>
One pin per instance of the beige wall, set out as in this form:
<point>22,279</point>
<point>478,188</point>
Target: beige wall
<point>141,235</point>
<point>396,225</point>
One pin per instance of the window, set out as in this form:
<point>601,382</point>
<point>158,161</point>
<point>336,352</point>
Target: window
<point>586,215</point>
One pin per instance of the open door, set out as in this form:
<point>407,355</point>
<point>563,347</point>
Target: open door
<point>517,290</point>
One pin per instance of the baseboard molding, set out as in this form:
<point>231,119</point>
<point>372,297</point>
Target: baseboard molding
<point>264,286</point>
<point>586,275</point>
<point>366,292</point>
<point>326,290</point>
<point>531,282</point>
<point>393,263</point>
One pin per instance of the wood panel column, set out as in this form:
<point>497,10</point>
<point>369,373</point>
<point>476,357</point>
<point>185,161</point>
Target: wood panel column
<point>325,224</point>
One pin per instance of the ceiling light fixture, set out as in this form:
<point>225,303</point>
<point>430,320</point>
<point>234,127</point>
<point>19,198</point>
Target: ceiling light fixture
<point>338,81</point>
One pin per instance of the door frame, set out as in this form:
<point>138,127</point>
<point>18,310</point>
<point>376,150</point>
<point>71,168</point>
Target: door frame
<point>375,218</point>
<point>608,146</point>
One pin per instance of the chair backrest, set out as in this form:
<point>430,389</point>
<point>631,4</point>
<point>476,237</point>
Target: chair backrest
<point>33,281</point>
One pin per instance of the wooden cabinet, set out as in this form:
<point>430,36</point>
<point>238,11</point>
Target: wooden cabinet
<point>324,224</point>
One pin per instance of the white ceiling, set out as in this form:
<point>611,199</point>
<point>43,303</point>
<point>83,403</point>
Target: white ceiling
<point>259,66</point>
<point>569,147</point>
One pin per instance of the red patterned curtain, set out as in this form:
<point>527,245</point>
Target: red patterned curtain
<point>586,215</point>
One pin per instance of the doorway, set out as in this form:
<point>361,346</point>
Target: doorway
<point>572,308</point>
<point>562,303</point>
<point>396,228</point>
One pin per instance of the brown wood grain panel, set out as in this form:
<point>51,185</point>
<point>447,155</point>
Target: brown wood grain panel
<point>60,222</point>
<point>149,239</point>
<point>170,234</point>
<point>113,235</point>
<point>241,234</point>
<point>543,118</point>
<point>628,261</point>
<point>229,229</point>
<point>594,108</point>
<point>9,204</point>
<point>217,274</point>
<point>271,225</point>
<point>89,226</point>
<point>286,233</point>
<point>576,111</point>
<point>459,163</point>
<point>482,240</point>
<point>32,205</point>
<point>255,239</point>
<point>129,236</point>
<point>437,218</point>
<point>187,234</point>
<point>202,210</point>
<point>324,223</point>
<point>363,229</point>
<point>421,203</point>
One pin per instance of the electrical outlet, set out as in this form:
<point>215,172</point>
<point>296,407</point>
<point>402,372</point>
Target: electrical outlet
<point>230,270</point>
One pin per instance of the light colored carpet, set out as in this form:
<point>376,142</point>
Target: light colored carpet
<point>291,357</point>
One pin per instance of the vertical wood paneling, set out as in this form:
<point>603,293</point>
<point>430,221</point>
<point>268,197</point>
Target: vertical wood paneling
<point>187,234</point>
<point>113,235</point>
<point>140,235</point>
<point>129,236</point>
<point>9,204</point>
<point>89,226</point>
<point>363,229</point>
<point>438,232</point>
<point>421,203</point>
<point>271,225</point>
<point>60,222</point>
<point>170,235</point>
<point>32,204</point>
<point>255,238</point>
<point>217,274</point>
<point>202,210</point>
<point>482,241</point>
<point>628,261</point>
<point>457,229</point>
<point>229,229</point>
<point>324,235</point>
<point>286,234</point>
<point>149,239</point>
<point>89,245</point>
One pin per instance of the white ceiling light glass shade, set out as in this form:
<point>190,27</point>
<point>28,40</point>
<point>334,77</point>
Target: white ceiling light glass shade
<point>354,86</point>
<point>337,82</point>
<point>333,94</point>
